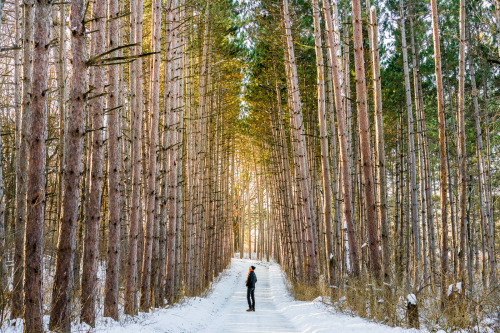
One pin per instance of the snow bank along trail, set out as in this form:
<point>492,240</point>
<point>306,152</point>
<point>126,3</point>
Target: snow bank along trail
<point>223,310</point>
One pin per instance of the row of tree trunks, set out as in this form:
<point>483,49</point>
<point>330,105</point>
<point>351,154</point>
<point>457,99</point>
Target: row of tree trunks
<point>154,103</point>
<point>100,220</point>
<point>343,142</point>
<point>297,125</point>
<point>484,195</point>
<point>209,183</point>
<point>325,163</point>
<point>425,192</point>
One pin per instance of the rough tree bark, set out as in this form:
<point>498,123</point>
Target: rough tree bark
<point>364,141</point>
<point>93,212</point>
<point>60,318</point>
<point>114,170</point>
<point>22,162</point>
<point>33,250</point>
<point>61,101</point>
<point>172,157</point>
<point>136,108</point>
<point>180,253</point>
<point>164,157</point>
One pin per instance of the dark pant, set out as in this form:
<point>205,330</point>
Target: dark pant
<point>251,293</point>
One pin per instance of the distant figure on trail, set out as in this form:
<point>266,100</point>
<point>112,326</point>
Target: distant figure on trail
<point>250,282</point>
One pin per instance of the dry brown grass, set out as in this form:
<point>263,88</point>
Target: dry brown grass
<point>305,291</point>
<point>387,305</point>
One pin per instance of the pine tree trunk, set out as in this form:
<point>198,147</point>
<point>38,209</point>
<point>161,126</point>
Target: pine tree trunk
<point>491,224</point>
<point>411,153</point>
<point>3,252</point>
<point>164,162</point>
<point>191,181</point>
<point>249,219</point>
<point>380,148</point>
<point>200,174</point>
<point>33,250</point>
<point>136,109</point>
<point>364,141</point>
<point>163,209</point>
<point>260,253</point>
<point>172,159</point>
<point>114,171</point>
<point>462,151</point>
<point>337,220</point>
<point>125,132</point>
<point>22,161</point>
<point>18,110</point>
<point>180,252</point>
<point>61,101</point>
<point>93,213</point>
<point>60,318</point>
<point>241,233</point>
<point>451,193</point>
<point>442,150</point>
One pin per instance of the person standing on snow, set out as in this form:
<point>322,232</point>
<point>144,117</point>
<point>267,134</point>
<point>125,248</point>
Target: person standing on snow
<point>250,282</point>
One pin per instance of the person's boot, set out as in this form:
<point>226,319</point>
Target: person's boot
<point>250,309</point>
<point>253,309</point>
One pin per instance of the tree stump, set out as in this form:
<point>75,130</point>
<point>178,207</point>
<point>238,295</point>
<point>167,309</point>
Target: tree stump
<point>412,311</point>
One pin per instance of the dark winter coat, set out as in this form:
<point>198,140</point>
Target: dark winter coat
<point>251,280</point>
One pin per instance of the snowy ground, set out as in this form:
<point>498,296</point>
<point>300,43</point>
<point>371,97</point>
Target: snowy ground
<point>223,310</point>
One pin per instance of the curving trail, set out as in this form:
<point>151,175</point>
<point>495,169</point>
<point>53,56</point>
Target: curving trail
<point>223,310</point>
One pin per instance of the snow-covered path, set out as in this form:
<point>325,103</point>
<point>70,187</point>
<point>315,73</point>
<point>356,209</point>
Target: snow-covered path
<point>267,318</point>
<point>223,310</point>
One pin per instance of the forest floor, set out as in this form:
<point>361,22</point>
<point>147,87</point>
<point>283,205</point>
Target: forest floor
<point>223,309</point>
